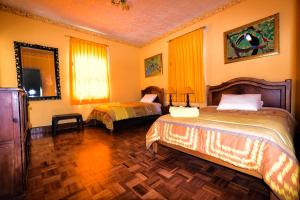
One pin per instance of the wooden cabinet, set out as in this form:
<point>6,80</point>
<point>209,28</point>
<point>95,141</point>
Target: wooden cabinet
<point>14,142</point>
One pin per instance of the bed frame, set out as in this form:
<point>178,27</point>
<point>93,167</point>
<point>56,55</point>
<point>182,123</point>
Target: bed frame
<point>155,90</point>
<point>118,125</point>
<point>274,94</point>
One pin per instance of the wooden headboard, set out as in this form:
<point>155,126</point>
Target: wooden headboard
<point>155,90</point>
<point>273,94</point>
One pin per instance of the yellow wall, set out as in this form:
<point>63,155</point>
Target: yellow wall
<point>272,68</point>
<point>297,8</point>
<point>123,61</point>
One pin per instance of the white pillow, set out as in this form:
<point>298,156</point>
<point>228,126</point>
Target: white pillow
<point>255,96</point>
<point>251,102</point>
<point>148,98</point>
<point>260,104</point>
<point>184,111</point>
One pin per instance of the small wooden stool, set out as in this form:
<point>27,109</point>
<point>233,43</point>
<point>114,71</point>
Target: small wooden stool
<point>56,118</point>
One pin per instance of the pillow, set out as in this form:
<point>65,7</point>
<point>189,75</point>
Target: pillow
<point>260,104</point>
<point>251,102</point>
<point>184,111</point>
<point>148,98</point>
<point>257,97</point>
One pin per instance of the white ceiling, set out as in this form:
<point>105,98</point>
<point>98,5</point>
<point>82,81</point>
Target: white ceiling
<point>145,21</point>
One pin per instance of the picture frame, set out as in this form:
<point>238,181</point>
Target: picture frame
<point>256,39</point>
<point>153,65</point>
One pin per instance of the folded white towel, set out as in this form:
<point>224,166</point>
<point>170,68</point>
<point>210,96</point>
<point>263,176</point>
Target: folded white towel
<point>184,111</point>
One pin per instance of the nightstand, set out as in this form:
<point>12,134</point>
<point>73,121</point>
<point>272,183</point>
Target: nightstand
<point>165,110</point>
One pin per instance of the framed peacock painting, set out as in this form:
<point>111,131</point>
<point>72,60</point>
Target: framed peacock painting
<point>253,40</point>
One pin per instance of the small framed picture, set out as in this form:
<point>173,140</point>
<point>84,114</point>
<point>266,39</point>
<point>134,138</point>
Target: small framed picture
<point>153,65</point>
<point>253,40</point>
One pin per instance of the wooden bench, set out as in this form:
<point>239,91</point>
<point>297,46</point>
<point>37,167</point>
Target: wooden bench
<point>56,118</point>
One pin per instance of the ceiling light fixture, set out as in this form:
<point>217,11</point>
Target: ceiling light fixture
<point>123,4</point>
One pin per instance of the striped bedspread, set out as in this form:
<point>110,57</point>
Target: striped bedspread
<point>261,141</point>
<point>108,113</point>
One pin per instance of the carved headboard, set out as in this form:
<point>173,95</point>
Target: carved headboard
<point>273,94</point>
<point>155,90</point>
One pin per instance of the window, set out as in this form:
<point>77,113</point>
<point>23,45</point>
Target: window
<point>89,73</point>
<point>186,71</point>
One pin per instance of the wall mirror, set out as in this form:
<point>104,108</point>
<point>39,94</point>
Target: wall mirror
<point>37,71</point>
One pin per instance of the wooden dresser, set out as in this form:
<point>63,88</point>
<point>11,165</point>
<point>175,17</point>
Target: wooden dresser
<point>14,142</point>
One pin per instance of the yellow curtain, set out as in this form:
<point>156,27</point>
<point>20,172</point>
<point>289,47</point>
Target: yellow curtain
<point>186,66</point>
<point>89,73</point>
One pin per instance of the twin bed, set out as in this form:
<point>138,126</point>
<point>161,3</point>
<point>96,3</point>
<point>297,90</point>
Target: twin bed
<point>258,143</point>
<point>115,115</point>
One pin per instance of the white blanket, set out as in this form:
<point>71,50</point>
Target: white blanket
<point>184,111</point>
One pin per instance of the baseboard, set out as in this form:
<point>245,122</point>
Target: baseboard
<point>37,132</point>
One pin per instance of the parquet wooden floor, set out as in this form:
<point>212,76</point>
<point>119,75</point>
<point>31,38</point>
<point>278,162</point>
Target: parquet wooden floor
<point>92,164</point>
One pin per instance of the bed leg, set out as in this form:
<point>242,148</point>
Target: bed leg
<point>273,196</point>
<point>154,149</point>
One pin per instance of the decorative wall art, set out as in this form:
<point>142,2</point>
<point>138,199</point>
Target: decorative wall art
<point>153,65</point>
<point>253,40</point>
